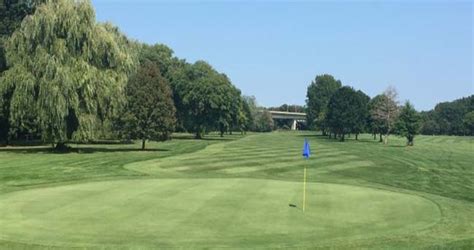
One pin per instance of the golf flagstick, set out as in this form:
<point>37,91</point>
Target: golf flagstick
<point>304,189</point>
<point>306,153</point>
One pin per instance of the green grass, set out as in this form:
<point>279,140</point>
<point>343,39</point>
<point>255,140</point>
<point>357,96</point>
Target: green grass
<point>235,192</point>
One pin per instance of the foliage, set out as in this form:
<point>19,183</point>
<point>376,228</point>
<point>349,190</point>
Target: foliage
<point>318,95</point>
<point>362,113</point>
<point>376,124</point>
<point>469,122</point>
<point>447,118</point>
<point>289,108</point>
<point>250,109</point>
<point>12,13</point>
<point>67,73</point>
<point>384,111</point>
<point>203,98</point>
<point>346,111</point>
<point>264,122</point>
<point>408,123</point>
<point>161,55</point>
<point>149,113</point>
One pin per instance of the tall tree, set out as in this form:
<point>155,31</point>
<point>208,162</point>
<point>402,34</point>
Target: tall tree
<point>251,111</point>
<point>344,109</point>
<point>386,111</point>
<point>161,55</point>
<point>362,112</point>
<point>469,123</point>
<point>264,121</point>
<point>318,94</point>
<point>12,12</point>
<point>203,97</point>
<point>408,123</point>
<point>66,70</point>
<point>149,113</point>
<point>376,123</point>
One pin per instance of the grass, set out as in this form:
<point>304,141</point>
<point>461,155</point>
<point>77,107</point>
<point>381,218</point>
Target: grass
<point>236,193</point>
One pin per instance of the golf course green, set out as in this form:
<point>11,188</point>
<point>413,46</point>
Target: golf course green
<point>240,192</point>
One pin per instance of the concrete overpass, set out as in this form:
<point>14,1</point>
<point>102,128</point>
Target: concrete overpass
<point>296,117</point>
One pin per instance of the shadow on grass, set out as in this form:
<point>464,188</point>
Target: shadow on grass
<point>213,138</point>
<point>35,143</point>
<point>80,150</point>
<point>352,140</point>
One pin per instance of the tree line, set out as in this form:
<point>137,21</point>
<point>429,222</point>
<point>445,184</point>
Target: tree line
<point>65,77</point>
<point>450,118</point>
<point>339,111</point>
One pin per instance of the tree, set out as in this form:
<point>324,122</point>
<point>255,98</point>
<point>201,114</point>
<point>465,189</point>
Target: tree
<point>250,108</point>
<point>289,108</point>
<point>344,111</point>
<point>386,110</point>
<point>67,71</point>
<point>149,113</point>
<point>377,125</point>
<point>408,123</point>
<point>264,121</point>
<point>161,55</point>
<point>203,97</point>
<point>318,94</point>
<point>12,13</point>
<point>469,122</point>
<point>450,115</point>
<point>362,113</point>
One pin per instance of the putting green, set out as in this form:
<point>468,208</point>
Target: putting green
<point>207,212</point>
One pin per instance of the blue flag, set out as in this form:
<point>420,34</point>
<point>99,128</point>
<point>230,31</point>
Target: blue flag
<point>306,150</point>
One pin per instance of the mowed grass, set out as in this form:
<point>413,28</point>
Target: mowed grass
<point>235,192</point>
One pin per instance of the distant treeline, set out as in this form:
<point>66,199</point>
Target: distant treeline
<point>450,118</point>
<point>338,111</point>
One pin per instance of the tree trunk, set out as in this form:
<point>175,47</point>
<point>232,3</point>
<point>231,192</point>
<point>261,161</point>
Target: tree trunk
<point>357,137</point>
<point>380,138</point>
<point>375,136</point>
<point>410,140</point>
<point>60,147</point>
<point>385,141</point>
<point>143,144</point>
<point>198,135</point>
<point>342,137</point>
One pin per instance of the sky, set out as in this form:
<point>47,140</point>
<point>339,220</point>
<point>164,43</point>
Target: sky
<point>274,49</point>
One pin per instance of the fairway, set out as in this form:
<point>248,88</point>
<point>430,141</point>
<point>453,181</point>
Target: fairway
<point>236,193</point>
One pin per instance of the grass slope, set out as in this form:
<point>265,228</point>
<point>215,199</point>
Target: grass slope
<point>235,193</point>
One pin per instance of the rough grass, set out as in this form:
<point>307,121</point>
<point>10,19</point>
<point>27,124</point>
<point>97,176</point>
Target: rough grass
<point>235,193</point>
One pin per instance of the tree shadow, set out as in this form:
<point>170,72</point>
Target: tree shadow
<point>313,135</point>
<point>79,150</point>
<point>191,137</point>
<point>353,140</point>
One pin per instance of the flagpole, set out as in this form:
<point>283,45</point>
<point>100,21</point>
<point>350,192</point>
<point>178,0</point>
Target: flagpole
<point>306,153</point>
<point>304,189</point>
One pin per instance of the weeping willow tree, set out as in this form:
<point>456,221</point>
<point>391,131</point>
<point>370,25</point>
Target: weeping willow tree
<point>67,72</point>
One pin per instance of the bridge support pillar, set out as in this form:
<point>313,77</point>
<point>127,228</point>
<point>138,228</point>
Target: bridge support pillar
<point>293,125</point>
